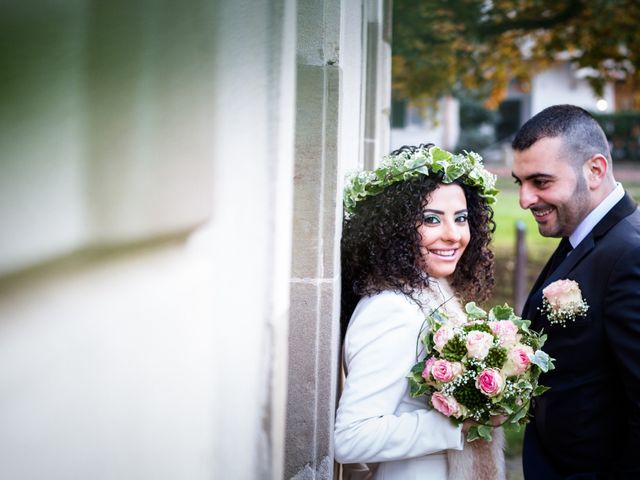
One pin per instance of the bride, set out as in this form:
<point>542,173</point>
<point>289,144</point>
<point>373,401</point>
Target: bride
<point>415,238</point>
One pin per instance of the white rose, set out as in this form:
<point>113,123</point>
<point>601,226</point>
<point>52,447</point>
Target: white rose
<point>478,344</point>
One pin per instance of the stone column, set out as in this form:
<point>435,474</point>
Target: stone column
<point>313,323</point>
<point>342,89</point>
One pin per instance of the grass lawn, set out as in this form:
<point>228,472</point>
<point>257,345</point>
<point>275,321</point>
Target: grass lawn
<point>507,212</point>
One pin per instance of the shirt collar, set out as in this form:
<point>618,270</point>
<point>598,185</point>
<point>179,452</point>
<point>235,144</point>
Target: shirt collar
<point>596,215</point>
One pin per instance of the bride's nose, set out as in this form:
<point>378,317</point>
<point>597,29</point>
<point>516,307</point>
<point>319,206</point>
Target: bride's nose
<point>451,232</point>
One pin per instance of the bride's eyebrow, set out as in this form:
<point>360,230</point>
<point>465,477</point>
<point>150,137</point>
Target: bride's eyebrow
<point>431,210</point>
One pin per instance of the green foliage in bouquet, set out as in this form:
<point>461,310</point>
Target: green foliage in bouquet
<point>487,366</point>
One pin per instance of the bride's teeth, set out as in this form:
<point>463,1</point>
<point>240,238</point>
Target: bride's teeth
<point>444,253</point>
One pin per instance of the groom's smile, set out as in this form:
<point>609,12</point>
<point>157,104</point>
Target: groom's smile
<point>541,213</point>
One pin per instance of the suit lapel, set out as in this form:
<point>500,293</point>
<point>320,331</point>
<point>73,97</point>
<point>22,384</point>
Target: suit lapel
<point>625,207</point>
<point>534,301</point>
<point>549,275</point>
<point>569,263</point>
<point>553,260</point>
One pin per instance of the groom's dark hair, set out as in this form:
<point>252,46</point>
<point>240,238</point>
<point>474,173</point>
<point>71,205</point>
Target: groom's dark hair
<point>582,135</point>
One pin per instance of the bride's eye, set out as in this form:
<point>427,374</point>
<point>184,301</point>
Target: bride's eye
<point>430,218</point>
<point>462,218</point>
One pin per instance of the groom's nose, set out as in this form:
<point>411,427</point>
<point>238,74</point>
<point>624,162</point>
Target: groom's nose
<point>528,198</point>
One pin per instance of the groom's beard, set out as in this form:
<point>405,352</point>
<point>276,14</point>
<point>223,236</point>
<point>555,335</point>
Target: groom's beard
<point>569,214</point>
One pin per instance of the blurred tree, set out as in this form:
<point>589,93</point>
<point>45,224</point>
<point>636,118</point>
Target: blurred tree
<point>443,46</point>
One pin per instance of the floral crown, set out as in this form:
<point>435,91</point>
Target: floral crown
<point>422,161</point>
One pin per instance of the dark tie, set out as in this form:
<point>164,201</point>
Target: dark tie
<point>564,247</point>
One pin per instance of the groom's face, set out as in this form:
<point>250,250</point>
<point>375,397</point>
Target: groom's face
<point>551,188</point>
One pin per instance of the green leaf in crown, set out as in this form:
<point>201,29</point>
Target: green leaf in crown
<point>423,161</point>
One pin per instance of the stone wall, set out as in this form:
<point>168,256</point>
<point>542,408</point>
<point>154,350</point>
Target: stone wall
<point>146,200</point>
<point>341,114</point>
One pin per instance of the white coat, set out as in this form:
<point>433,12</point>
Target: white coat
<point>377,421</point>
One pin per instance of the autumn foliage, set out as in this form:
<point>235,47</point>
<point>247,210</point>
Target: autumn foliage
<point>443,46</point>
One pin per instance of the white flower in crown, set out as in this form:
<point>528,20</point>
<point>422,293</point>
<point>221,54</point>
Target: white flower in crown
<point>562,301</point>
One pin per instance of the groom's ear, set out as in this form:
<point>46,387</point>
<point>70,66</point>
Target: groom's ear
<point>595,171</point>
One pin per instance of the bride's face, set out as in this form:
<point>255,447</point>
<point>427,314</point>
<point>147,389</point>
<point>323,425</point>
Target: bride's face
<point>444,230</point>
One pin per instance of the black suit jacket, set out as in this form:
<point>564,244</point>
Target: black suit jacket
<point>588,424</point>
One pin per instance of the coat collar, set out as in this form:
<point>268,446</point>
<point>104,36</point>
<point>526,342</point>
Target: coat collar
<point>625,207</point>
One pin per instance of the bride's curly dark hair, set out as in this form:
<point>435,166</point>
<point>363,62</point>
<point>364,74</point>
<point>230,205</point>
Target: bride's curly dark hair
<point>381,244</point>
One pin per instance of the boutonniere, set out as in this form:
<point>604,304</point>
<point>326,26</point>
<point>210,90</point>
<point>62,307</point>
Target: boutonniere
<point>562,302</point>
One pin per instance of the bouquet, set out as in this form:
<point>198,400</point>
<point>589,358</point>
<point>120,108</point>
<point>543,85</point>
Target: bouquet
<point>489,365</point>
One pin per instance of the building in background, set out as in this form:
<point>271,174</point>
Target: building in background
<point>170,198</point>
<point>413,125</point>
<point>560,84</point>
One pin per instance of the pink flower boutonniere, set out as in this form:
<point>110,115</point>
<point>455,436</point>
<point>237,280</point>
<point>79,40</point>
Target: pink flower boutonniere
<point>562,302</point>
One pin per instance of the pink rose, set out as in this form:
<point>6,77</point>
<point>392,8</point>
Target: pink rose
<point>426,373</point>
<point>506,331</point>
<point>478,344</point>
<point>518,360</point>
<point>441,337</point>
<point>444,371</point>
<point>444,404</point>
<point>490,382</point>
<point>563,294</point>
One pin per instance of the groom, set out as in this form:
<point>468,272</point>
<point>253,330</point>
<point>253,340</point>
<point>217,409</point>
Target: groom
<point>588,425</point>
